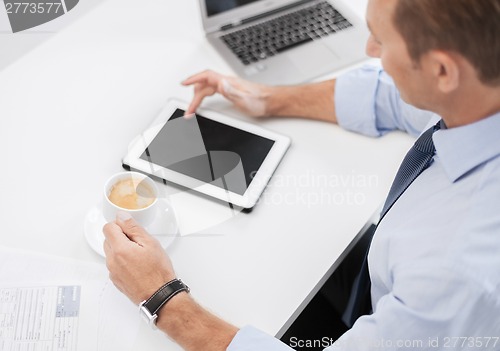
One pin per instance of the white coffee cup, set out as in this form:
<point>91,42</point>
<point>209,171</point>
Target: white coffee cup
<point>133,193</point>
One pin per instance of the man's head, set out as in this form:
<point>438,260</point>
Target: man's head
<point>470,28</point>
<point>434,49</point>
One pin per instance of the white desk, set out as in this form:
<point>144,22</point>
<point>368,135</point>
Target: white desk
<point>68,110</point>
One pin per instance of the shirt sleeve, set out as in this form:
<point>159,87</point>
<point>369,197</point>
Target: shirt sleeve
<point>368,102</point>
<point>425,311</point>
<point>422,312</point>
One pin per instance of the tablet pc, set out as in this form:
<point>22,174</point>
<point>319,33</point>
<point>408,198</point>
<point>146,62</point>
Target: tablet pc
<point>213,154</point>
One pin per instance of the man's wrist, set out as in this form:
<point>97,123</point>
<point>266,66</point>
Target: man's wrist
<point>190,325</point>
<point>277,99</point>
<point>311,101</point>
<point>177,306</point>
<point>150,308</point>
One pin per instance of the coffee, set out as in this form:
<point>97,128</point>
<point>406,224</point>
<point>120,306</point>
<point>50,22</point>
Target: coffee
<point>131,194</point>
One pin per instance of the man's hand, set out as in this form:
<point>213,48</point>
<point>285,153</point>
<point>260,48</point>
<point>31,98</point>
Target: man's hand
<point>251,98</point>
<point>138,266</point>
<point>137,263</point>
<point>313,101</point>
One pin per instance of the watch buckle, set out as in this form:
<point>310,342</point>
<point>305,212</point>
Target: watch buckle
<point>147,316</point>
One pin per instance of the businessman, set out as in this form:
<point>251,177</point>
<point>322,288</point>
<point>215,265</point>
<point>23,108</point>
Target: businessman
<point>434,259</point>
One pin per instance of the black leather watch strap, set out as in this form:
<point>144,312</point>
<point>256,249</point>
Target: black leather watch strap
<point>161,297</point>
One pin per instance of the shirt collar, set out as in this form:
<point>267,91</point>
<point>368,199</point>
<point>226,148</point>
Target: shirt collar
<point>462,149</point>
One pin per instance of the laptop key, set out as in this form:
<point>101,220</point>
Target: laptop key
<point>258,42</point>
<point>292,45</point>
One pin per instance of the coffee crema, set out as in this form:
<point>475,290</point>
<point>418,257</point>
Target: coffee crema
<point>131,194</point>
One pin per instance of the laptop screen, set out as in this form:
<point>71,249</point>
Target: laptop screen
<point>214,7</point>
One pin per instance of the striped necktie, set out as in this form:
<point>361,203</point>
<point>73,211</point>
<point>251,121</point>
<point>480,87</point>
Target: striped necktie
<point>415,162</point>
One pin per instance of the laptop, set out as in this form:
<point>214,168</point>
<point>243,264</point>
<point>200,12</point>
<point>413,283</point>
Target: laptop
<point>284,41</point>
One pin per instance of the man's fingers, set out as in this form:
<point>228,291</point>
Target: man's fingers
<point>132,229</point>
<point>199,95</point>
<point>114,234</point>
<point>206,83</point>
<point>205,77</point>
<point>107,248</point>
<point>197,99</point>
<point>197,78</point>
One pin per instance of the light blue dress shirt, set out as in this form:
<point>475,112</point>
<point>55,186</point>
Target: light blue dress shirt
<point>435,258</point>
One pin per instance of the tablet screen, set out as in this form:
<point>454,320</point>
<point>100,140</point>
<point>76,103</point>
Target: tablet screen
<point>208,151</point>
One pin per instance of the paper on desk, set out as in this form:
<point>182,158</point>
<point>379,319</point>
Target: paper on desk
<point>52,303</point>
<point>41,318</point>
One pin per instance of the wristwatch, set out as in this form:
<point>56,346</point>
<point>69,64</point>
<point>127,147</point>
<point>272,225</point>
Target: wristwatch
<point>150,307</point>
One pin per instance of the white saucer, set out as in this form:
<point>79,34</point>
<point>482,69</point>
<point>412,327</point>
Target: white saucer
<point>164,227</point>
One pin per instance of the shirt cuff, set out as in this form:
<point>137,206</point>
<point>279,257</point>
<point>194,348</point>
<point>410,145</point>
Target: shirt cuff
<point>251,339</point>
<point>355,94</point>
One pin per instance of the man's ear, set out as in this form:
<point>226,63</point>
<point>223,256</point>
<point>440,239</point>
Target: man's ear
<point>445,69</point>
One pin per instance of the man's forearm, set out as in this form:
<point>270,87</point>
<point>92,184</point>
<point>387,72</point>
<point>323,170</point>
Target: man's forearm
<point>314,101</point>
<point>193,327</point>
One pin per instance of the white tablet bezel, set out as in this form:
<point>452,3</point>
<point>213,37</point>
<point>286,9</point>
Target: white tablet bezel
<point>259,182</point>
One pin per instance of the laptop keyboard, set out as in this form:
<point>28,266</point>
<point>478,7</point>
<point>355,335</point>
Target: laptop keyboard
<point>269,38</point>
